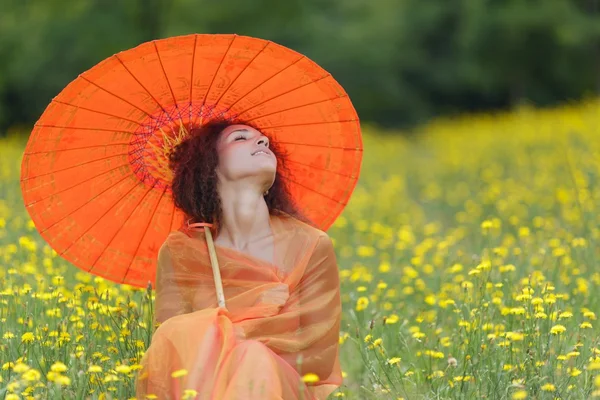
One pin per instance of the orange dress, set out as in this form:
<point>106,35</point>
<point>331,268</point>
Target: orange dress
<point>282,319</point>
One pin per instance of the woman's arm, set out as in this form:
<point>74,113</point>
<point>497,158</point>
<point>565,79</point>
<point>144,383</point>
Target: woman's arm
<point>169,300</point>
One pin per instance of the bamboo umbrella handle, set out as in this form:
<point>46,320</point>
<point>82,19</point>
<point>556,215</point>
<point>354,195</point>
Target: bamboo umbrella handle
<point>215,267</point>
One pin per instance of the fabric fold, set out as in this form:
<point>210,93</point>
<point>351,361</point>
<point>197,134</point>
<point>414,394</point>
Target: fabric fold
<point>282,319</point>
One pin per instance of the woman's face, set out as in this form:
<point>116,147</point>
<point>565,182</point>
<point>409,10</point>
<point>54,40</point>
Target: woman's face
<point>244,152</point>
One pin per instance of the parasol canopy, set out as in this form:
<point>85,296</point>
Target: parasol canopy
<point>93,174</point>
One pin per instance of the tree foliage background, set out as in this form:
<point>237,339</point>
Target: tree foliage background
<point>401,61</point>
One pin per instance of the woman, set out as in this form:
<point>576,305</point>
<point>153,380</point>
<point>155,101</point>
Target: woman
<point>279,274</point>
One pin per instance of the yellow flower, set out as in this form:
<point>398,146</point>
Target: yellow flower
<point>394,360</point>
<point>519,395</point>
<point>20,368</point>
<point>548,387</point>
<point>189,394</point>
<point>310,378</point>
<point>27,337</point>
<point>565,314</point>
<point>585,325</point>
<point>392,319</point>
<point>94,368</point>
<point>32,375</point>
<point>179,373</point>
<point>515,336</point>
<point>58,367</point>
<point>362,303</point>
<point>63,380</point>
<point>557,329</point>
<point>123,369</point>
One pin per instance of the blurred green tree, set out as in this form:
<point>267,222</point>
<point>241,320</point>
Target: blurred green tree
<point>401,61</point>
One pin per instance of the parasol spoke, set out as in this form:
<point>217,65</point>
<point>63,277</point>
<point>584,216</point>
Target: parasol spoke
<point>283,94</point>
<point>95,222</point>
<point>321,146</point>
<point>312,190</point>
<point>81,164</point>
<point>78,148</point>
<point>77,184</point>
<point>162,67</point>
<point>117,96</point>
<point>240,74</point>
<point>215,76</point>
<point>192,76</point>
<point>320,169</point>
<point>145,231</point>
<point>143,87</point>
<point>265,81</point>
<point>95,111</point>
<point>84,204</point>
<point>296,107</point>
<point>84,129</point>
<point>309,123</point>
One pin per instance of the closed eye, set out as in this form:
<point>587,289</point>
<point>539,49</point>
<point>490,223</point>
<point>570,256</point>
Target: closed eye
<point>240,137</point>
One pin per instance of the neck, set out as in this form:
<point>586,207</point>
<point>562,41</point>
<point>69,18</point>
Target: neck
<point>245,217</point>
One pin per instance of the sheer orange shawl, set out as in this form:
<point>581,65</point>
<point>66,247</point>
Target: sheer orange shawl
<point>282,320</point>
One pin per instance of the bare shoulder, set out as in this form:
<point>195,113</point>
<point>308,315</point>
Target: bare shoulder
<point>319,237</point>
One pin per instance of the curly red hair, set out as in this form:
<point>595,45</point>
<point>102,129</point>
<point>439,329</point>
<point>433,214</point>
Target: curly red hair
<point>194,186</point>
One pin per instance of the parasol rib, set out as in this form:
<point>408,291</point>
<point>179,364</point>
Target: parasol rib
<point>309,123</point>
<point>84,204</point>
<point>214,77</point>
<point>95,222</point>
<point>148,190</point>
<point>167,79</point>
<point>78,148</point>
<point>116,95</point>
<point>283,94</point>
<point>95,111</point>
<point>143,87</point>
<point>240,74</point>
<point>295,107</point>
<point>71,187</point>
<point>265,81</point>
<point>78,165</point>
<point>83,129</point>
<point>312,190</point>
<point>320,169</point>
<point>152,214</point>
<point>192,76</point>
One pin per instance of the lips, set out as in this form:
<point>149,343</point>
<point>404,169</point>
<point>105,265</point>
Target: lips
<point>262,151</point>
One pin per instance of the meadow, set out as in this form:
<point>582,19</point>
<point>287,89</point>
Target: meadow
<point>468,261</point>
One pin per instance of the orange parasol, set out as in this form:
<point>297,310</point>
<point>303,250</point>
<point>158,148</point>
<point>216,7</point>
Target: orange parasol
<point>93,174</point>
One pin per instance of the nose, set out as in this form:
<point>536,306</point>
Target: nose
<point>263,140</point>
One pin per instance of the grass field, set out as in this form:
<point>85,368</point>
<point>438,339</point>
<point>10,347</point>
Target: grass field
<point>468,257</point>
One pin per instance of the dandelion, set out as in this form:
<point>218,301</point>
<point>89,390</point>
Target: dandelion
<point>94,369</point>
<point>179,373</point>
<point>189,394</point>
<point>58,367</point>
<point>392,319</point>
<point>310,378</point>
<point>362,303</point>
<point>27,337</point>
<point>557,329</point>
<point>393,360</point>
<point>548,387</point>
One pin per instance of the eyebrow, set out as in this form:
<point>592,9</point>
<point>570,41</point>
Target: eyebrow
<point>238,130</point>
